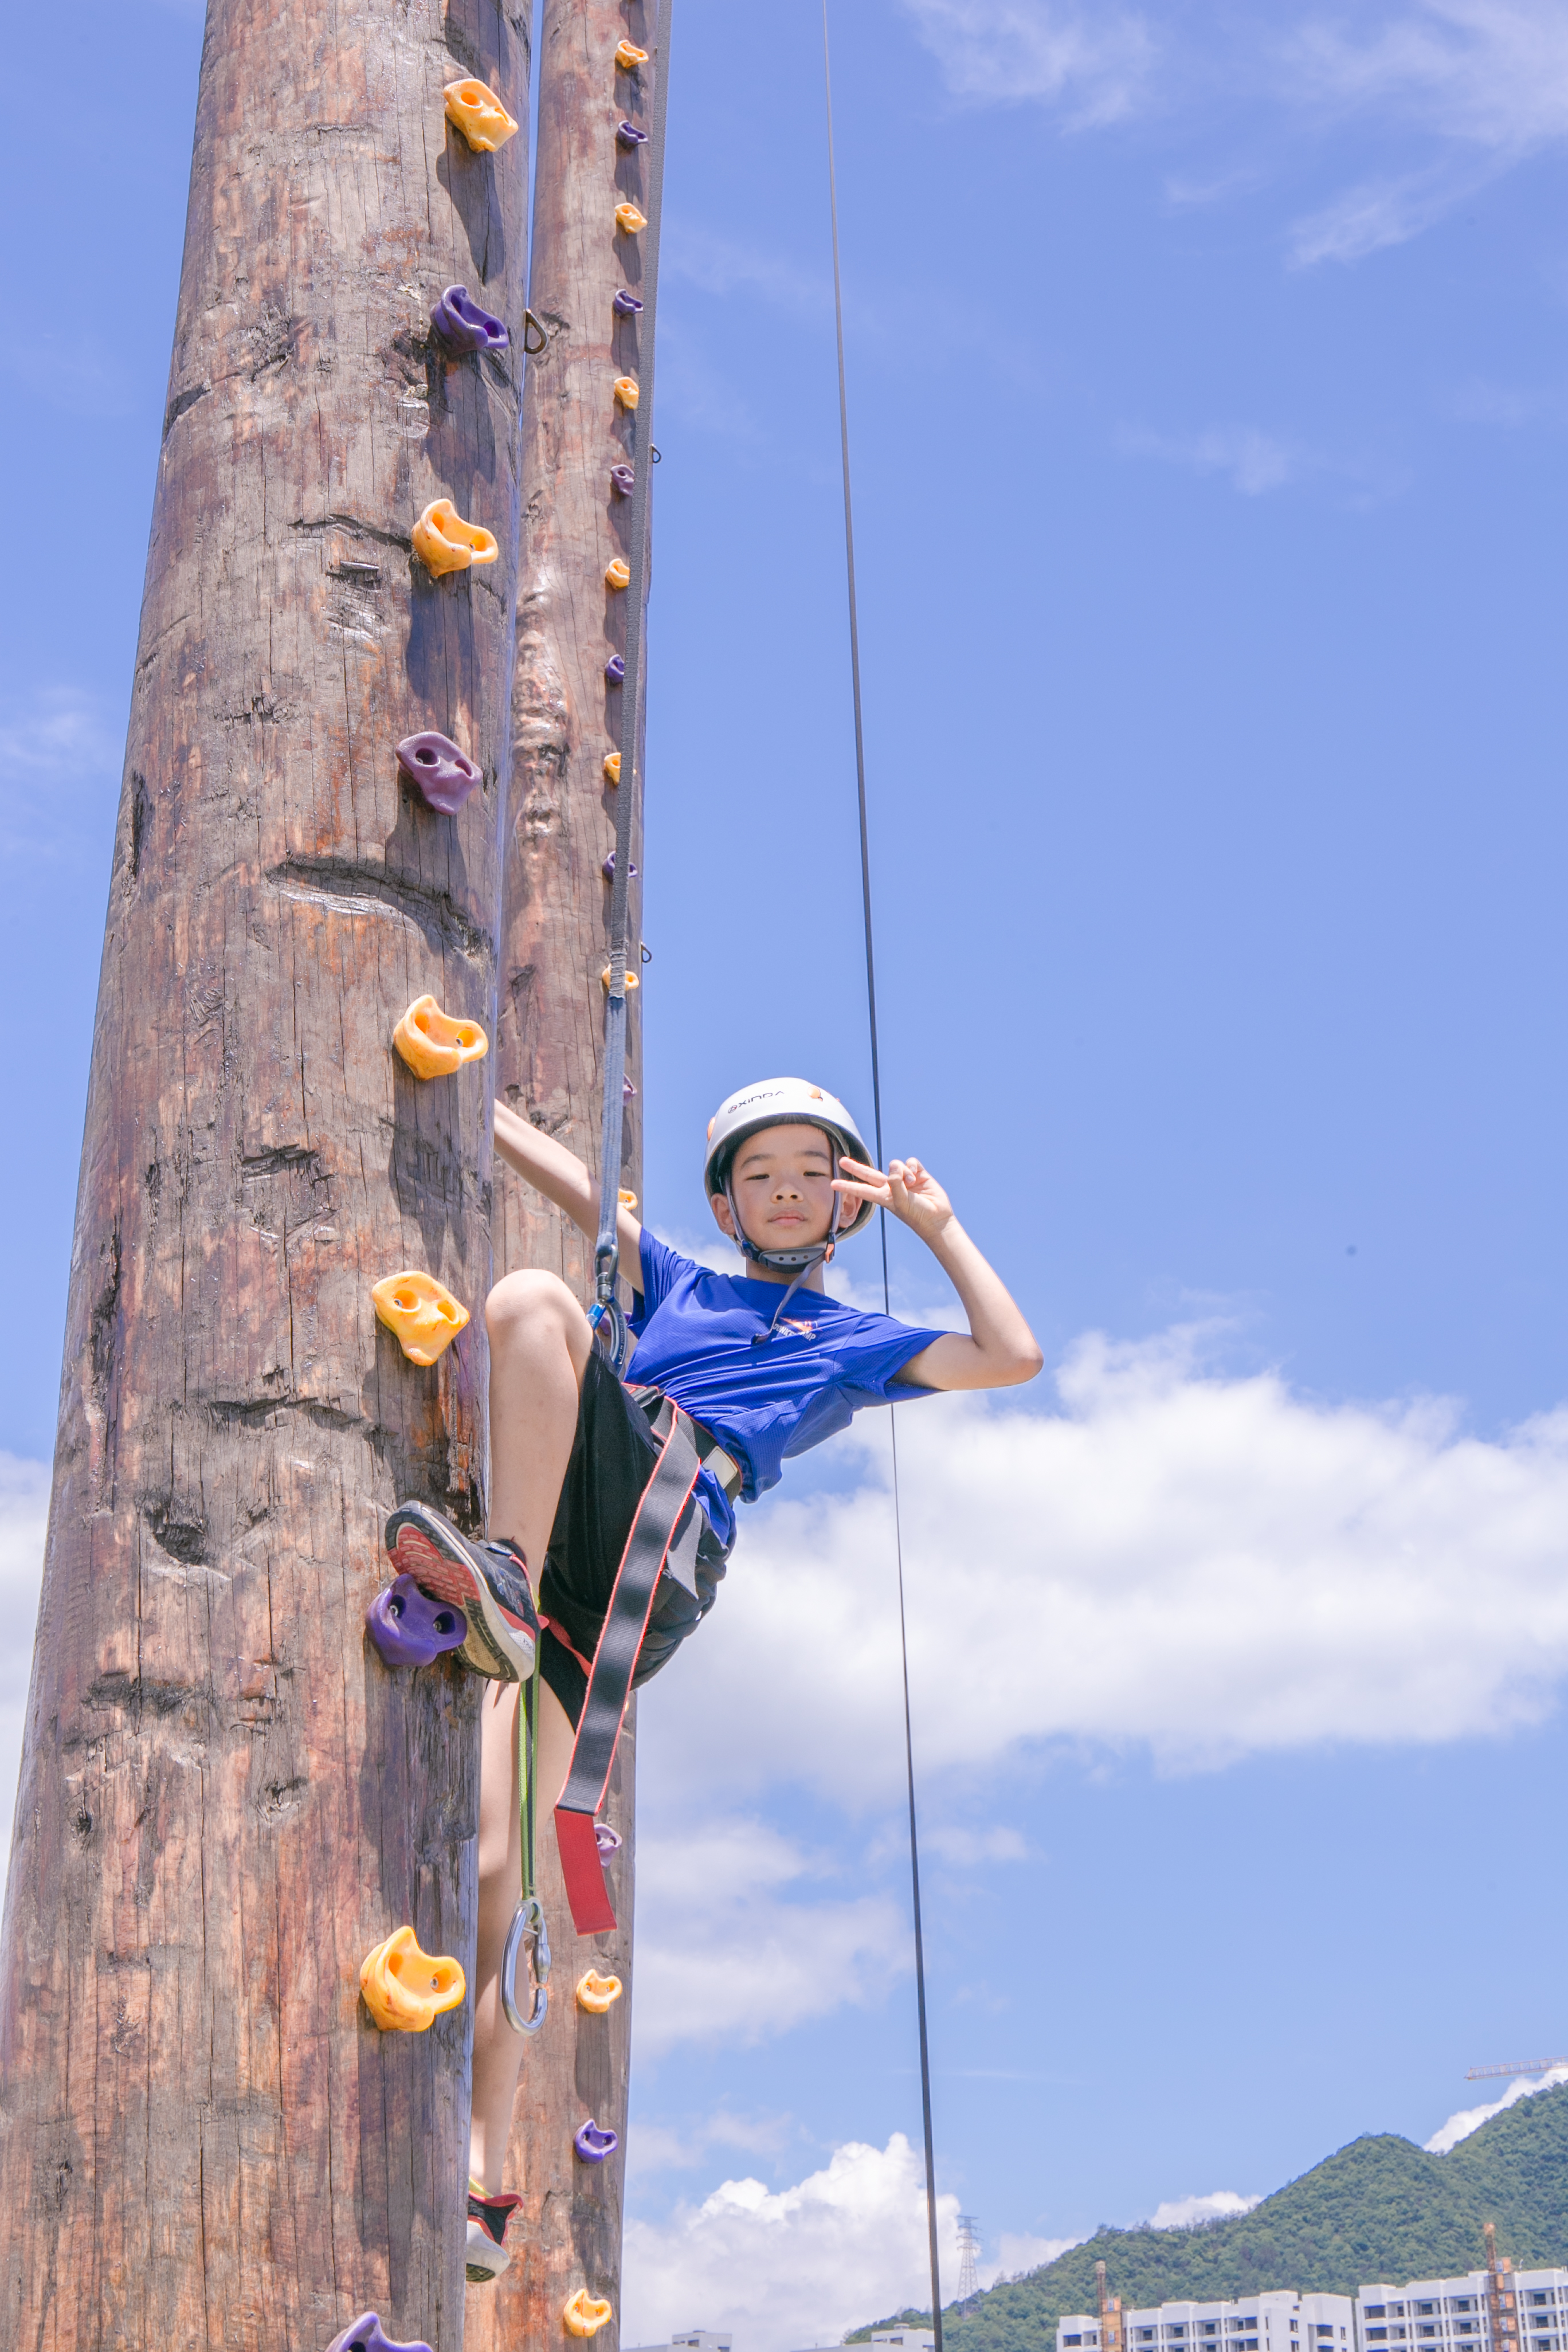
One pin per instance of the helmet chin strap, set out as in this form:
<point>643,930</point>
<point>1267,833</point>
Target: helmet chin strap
<point>784,1261</point>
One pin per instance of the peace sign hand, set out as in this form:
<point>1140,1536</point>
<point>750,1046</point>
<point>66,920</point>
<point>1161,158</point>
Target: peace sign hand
<point>906,1192</point>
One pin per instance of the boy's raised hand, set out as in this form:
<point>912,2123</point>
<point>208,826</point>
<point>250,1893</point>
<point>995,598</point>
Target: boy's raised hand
<point>908,1191</point>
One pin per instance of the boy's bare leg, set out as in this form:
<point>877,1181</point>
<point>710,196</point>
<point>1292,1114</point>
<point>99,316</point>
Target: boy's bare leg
<point>539,1344</point>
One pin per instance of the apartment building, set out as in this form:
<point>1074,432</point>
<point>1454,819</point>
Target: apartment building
<point>1451,2315</point>
<point>1279,2321</point>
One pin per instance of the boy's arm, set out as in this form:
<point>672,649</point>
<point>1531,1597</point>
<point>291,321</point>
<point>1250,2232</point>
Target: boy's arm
<point>999,1350</point>
<point>561,1176</point>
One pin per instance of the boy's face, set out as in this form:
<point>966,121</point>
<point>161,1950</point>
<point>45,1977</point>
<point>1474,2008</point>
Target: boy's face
<point>782,1180</point>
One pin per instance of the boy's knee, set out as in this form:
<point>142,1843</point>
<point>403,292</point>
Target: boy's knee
<point>530,1296</point>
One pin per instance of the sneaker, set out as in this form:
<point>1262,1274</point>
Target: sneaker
<point>488,2217</point>
<point>487,1582</point>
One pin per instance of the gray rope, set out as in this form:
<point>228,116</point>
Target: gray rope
<point>882,1221</point>
<point>606,1251</point>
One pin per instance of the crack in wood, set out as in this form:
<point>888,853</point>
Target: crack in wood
<point>348,886</point>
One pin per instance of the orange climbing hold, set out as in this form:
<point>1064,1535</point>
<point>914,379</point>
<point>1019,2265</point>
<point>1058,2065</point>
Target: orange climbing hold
<point>473,108</point>
<point>434,1044</point>
<point>629,55</point>
<point>445,543</point>
<point>407,1990</point>
<point>584,2314</point>
<point>597,1993</point>
<point>626,390</point>
<point>632,980</point>
<point>420,1312</point>
<point>628,1200</point>
<point>612,767</point>
<point>618,573</point>
<point>628,220</point>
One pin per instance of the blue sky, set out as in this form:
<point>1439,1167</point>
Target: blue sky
<point>1208,397</point>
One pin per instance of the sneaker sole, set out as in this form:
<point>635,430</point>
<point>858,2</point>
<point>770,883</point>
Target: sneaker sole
<point>486,2258</point>
<point>423,1546</point>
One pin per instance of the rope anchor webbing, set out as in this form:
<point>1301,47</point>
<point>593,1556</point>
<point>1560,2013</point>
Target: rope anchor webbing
<point>607,1316</point>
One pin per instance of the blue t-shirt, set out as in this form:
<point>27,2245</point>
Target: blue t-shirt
<point>695,1334</point>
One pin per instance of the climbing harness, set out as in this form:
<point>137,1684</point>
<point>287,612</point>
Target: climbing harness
<point>663,1537</point>
<point>877,1119</point>
<point>607,1317</point>
<point>527,1931</point>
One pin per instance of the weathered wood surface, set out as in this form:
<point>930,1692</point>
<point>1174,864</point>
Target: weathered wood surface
<point>225,1800</point>
<point>555,942</point>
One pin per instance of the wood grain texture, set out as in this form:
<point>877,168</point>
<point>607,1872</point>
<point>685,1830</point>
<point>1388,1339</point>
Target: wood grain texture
<point>555,943</point>
<point>225,1800</point>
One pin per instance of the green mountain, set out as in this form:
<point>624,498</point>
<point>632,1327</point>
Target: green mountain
<point>1380,2210</point>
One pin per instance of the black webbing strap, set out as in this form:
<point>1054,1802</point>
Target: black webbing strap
<point>664,1498</point>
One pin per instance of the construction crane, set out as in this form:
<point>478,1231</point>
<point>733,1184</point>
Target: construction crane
<point>1111,2329</point>
<point>1525,2067</point>
<point>1502,2295</point>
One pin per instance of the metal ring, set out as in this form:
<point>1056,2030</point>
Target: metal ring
<point>648,952</point>
<point>527,1926</point>
<point>533,350</point>
<point>654,453</point>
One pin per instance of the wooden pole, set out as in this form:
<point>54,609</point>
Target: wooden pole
<point>225,1800</point>
<point>555,942</point>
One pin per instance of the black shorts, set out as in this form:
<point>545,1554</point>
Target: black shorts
<point>613,1457</point>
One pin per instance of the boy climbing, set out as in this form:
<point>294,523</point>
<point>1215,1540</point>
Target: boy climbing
<point>760,1366</point>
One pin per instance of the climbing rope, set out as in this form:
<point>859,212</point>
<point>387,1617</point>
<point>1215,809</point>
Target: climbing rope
<point>881,1222</point>
<point>608,1320</point>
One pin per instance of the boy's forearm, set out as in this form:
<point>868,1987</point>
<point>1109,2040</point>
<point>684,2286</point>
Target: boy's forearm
<point>549,1166</point>
<point>996,1326</point>
<point>562,1177</point>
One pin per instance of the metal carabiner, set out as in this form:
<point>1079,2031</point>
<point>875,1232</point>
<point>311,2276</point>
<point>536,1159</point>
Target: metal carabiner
<point>537,325</point>
<point>527,1927</point>
<point>607,1322</point>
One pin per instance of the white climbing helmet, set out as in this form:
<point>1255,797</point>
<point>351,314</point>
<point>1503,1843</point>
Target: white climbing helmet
<point>784,1102</point>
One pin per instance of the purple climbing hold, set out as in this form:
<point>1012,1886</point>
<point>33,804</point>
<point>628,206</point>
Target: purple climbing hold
<point>594,2144</point>
<point>367,2335</point>
<point>628,1091</point>
<point>444,774</point>
<point>464,327</point>
<point>630,136</point>
<point>624,304</point>
<point>616,670</point>
<point>607,1840</point>
<point>410,1628</point>
<point>608,870</point>
<point>623,480</point>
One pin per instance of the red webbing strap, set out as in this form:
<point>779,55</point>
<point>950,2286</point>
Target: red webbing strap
<point>663,1499</point>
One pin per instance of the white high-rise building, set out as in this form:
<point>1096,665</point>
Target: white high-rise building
<point>1279,2321</point>
<point>1452,2315</point>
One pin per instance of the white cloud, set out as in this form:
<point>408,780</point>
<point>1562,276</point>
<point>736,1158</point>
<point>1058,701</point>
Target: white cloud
<point>1204,1567</point>
<point>1468,2119</point>
<point>737,1941</point>
<point>1017,2254</point>
<point>1483,82</point>
<point>1252,461</point>
<point>1184,2212</point>
<point>1487,73</point>
<point>790,2266</point>
<point>24,1519</point>
<point>1094,64</point>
